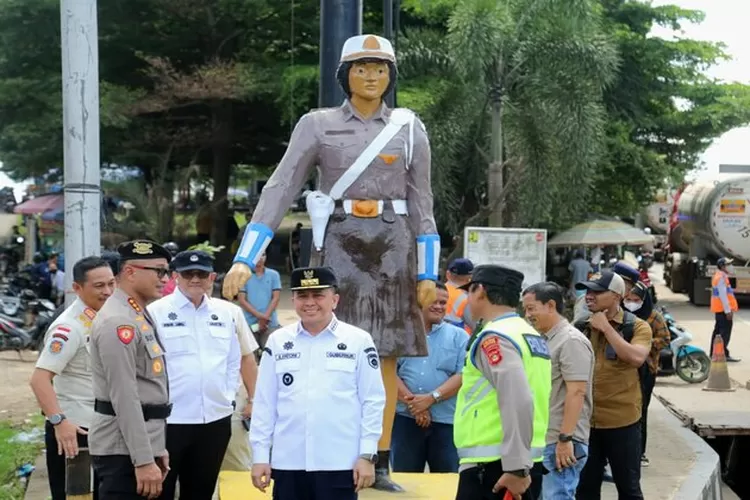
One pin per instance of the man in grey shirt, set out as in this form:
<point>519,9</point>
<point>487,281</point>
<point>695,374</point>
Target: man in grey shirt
<point>579,270</point>
<point>570,400</point>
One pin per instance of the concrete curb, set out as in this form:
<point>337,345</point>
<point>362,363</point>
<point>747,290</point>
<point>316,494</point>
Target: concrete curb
<point>703,480</point>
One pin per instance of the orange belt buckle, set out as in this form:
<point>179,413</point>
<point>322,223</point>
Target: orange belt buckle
<point>365,208</point>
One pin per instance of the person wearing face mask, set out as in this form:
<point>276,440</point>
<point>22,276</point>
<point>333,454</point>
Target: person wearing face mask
<point>723,304</point>
<point>204,356</point>
<point>635,302</point>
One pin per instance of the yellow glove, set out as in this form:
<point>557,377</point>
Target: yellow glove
<point>235,280</point>
<point>426,292</point>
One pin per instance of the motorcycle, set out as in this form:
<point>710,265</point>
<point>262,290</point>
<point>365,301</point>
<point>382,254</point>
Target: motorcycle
<point>24,324</point>
<point>689,362</point>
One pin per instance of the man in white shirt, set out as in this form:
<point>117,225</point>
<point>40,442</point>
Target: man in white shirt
<point>319,400</point>
<point>61,380</point>
<point>203,356</point>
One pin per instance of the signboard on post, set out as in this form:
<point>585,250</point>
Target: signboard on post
<point>524,250</point>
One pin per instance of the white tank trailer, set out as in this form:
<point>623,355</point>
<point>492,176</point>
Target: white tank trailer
<point>712,221</point>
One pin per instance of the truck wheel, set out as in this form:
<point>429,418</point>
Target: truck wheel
<point>694,367</point>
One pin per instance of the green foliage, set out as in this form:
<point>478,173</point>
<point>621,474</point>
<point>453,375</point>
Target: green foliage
<point>14,454</point>
<point>208,248</point>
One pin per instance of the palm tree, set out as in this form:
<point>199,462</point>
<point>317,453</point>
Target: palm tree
<point>535,70</point>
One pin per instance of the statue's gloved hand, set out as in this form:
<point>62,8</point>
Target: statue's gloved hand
<point>235,280</point>
<point>426,292</point>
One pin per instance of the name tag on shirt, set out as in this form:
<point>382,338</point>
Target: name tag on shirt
<point>220,324</point>
<point>287,355</point>
<point>173,324</point>
<point>537,345</point>
<point>345,355</point>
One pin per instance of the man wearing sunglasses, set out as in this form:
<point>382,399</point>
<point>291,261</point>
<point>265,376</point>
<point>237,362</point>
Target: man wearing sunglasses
<point>203,353</point>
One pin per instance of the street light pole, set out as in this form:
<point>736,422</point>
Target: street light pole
<point>390,99</point>
<point>82,185</point>
<point>339,20</point>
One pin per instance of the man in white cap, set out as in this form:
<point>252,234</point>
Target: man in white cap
<point>372,217</point>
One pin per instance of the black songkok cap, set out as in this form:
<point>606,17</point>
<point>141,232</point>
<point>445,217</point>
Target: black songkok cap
<point>499,276</point>
<point>313,278</point>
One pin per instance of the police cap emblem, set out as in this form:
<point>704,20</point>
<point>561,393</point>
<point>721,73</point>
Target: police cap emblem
<point>287,379</point>
<point>193,258</point>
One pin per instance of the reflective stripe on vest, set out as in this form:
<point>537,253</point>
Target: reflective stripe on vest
<point>457,300</point>
<point>477,426</point>
<point>716,304</point>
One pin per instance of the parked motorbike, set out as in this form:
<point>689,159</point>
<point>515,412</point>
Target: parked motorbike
<point>24,323</point>
<point>689,362</point>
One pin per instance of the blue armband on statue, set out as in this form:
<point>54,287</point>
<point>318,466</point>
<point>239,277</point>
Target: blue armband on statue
<point>428,256</point>
<point>256,239</point>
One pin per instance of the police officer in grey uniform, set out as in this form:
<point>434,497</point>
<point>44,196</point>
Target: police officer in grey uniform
<point>127,438</point>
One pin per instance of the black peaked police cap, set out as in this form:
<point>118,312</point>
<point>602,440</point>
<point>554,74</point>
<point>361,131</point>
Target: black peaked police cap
<point>142,250</point>
<point>494,275</point>
<point>313,278</point>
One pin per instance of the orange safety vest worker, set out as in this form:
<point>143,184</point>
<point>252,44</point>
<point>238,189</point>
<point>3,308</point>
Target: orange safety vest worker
<point>454,310</point>
<point>716,305</point>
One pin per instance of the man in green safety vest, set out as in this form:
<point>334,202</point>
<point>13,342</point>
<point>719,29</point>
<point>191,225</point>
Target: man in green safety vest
<point>502,409</point>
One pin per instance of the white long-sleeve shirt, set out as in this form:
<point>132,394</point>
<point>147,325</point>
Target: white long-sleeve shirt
<point>203,357</point>
<point>319,400</point>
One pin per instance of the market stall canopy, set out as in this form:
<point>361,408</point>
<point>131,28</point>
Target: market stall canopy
<point>600,232</point>
<point>41,204</point>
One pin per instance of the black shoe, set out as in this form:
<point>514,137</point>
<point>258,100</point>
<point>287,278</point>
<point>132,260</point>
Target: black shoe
<point>383,481</point>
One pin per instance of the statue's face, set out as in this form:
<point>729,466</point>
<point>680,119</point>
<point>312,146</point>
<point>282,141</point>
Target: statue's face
<point>369,80</point>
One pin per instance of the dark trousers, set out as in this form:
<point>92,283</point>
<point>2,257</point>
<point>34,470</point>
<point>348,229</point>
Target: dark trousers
<point>413,446</point>
<point>318,485</point>
<point>647,388</point>
<point>477,483</point>
<point>116,477</point>
<point>622,447</point>
<point>195,455</point>
<point>56,463</point>
<point>723,327</point>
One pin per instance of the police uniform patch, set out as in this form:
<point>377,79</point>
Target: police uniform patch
<point>60,336</point>
<point>85,321</point>
<point>287,379</point>
<point>125,333</point>
<point>90,313</point>
<point>156,349</point>
<point>372,359</point>
<point>336,354</point>
<point>287,355</point>
<point>157,367</point>
<point>268,351</point>
<point>288,345</point>
<point>370,349</point>
<point>491,348</point>
<point>172,316</point>
<point>214,317</point>
<point>56,346</point>
<point>537,345</point>
<point>341,347</point>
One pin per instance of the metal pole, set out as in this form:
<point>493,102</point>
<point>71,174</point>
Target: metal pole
<point>397,30</point>
<point>80,76</point>
<point>390,99</point>
<point>339,20</point>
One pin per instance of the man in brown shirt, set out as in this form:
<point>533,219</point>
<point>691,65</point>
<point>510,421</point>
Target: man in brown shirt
<point>621,344</point>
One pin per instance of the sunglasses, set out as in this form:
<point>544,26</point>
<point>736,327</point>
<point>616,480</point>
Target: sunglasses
<point>161,272</point>
<point>194,273</point>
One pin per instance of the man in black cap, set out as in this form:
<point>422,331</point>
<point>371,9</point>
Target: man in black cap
<point>319,400</point>
<point>502,410</point>
<point>203,352</point>
<point>127,438</point>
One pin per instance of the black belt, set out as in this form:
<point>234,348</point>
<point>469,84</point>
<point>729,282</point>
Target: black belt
<point>150,412</point>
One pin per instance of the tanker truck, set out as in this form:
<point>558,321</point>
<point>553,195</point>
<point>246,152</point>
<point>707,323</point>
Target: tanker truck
<point>709,220</point>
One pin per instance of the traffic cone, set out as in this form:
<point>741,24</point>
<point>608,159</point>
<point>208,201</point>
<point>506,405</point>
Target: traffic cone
<point>718,377</point>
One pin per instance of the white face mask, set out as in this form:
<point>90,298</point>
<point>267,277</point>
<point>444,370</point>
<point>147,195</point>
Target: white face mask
<point>632,306</point>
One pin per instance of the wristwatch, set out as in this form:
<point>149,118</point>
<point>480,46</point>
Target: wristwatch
<point>372,458</point>
<point>436,395</point>
<point>564,438</point>
<point>56,419</point>
<point>519,472</point>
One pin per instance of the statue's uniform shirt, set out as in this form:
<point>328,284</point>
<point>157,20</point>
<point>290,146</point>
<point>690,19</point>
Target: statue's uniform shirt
<point>375,261</point>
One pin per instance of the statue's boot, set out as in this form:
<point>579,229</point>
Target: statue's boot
<point>383,481</point>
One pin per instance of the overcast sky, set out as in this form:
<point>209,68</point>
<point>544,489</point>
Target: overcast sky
<point>725,21</point>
